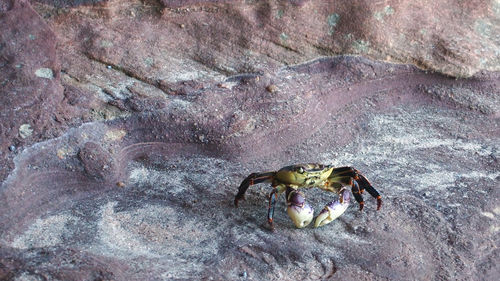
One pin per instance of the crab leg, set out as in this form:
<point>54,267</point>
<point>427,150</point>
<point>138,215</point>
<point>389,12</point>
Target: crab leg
<point>365,184</point>
<point>252,179</point>
<point>273,196</point>
<point>348,181</point>
<point>358,182</point>
<point>357,191</point>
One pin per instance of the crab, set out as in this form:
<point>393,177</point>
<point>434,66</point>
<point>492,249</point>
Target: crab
<point>290,179</point>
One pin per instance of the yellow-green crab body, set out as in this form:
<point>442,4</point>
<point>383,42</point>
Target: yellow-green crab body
<point>290,179</point>
<point>306,175</point>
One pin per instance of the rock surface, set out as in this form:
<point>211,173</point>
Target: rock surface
<point>121,162</point>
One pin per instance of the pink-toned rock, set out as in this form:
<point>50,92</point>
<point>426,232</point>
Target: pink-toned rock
<point>97,162</point>
<point>29,79</point>
<point>425,142</point>
<point>143,117</point>
<point>206,39</point>
<point>69,3</point>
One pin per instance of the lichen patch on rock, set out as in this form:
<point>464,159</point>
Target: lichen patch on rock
<point>44,73</point>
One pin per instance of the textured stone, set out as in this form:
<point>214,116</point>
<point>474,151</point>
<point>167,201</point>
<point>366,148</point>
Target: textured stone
<point>26,45</point>
<point>44,73</point>
<point>69,3</point>
<point>244,37</point>
<point>166,210</point>
<point>97,162</point>
<point>156,110</point>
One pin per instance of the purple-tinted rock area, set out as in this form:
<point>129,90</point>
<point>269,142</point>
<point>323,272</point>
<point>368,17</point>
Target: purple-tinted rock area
<point>126,128</point>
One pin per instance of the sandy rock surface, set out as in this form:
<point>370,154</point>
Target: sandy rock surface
<point>127,126</point>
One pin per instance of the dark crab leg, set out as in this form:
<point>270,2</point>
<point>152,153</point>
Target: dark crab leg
<point>273,196</point>
<point>252,179</point>
<point>350,176</point>
<point>365,184</point>
<point>356,191</point>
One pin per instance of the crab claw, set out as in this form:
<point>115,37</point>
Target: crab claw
<point>333,210</point>
<point>298,210</point>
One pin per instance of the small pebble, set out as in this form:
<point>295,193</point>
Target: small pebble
<point>109,67</point>
<point>272,88</point>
